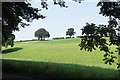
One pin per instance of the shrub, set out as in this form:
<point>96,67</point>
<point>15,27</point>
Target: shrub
<point>61,37</point>
<point>78,36</point>
<point>67,37</point>
<point>34,40</point>
<point>58,38</point>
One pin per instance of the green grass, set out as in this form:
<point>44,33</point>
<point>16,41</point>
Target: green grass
<point>65,53</point>
<point>40,69</point>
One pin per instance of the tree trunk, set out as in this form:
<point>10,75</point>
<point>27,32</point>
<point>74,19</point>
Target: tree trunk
<point>38,38</point>
<point>41,38</point>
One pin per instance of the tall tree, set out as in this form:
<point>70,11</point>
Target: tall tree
<point>41,33</point>
<point>70,32</point>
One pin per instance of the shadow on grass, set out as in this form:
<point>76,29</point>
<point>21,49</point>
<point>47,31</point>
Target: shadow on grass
<point>10,50</point>
<point>39,70</point>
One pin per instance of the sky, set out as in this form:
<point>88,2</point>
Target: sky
<point>59,19</point>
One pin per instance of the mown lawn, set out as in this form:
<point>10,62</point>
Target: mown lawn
<point>60,58</point>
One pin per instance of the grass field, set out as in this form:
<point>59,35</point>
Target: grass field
<point>60,58</point>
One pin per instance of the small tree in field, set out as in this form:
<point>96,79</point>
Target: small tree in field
<point>70,32</point>
<point>41,33</point>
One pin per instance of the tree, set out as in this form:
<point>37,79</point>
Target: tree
<point>41,33</point>
<point>70,32</point>
<point>13,15</point>
<point>10,41</point>
<point>93,36</point>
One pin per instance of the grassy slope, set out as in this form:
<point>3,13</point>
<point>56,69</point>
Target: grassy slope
<point>58,58</point>
<point>59,51</point>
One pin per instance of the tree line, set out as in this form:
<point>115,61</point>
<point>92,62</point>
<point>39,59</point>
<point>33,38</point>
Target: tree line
<point>42,33</point>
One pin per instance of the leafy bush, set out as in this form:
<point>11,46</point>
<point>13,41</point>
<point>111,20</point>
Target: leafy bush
<point>58,38</point>
<point>67,37</point>
<point>78,36</point>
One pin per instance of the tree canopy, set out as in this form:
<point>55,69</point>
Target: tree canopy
<point>70,32</point>
<point>41,33</point>
<point>93,36</point>
<point>12,19</point>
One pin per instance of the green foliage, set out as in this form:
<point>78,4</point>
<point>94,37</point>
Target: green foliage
<point>13,15</point>
<point>110,9</point>
<point>10,41</point>
<point>41,33</point>
<point>93,36</point>
<point>58,38</point>
<point>89,29</point>
<point>61,3</point>
<point>70,32</point>
<point>78,36</point>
